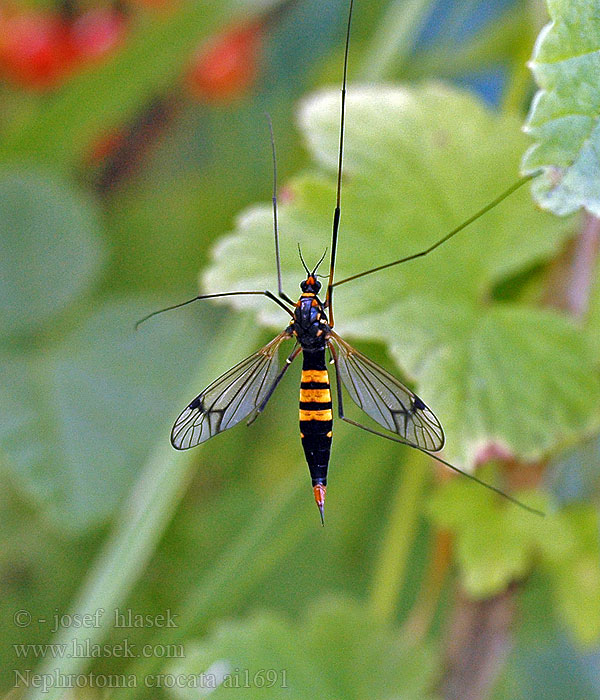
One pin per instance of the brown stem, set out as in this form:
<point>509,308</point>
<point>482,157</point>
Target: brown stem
<point>583,267</point>
<point>572,274</point>
<point>139,139</point>
<point>479,645</point>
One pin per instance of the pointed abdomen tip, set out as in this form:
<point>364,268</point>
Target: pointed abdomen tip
<point>320,490</point>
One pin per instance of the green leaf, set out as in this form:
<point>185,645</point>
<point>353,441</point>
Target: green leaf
<point>593,320</point>
<point>497,543</point>
<point>576,576</point>
<point>50,249</point>
<point>563,120</point>
<point>524,379</point>
<point>363,657</point>
<point>337,651</point>
<point>81,415</point>
<point>521,378</point>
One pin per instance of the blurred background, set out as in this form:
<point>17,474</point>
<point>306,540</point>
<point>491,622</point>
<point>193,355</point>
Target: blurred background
<point>132,135</point>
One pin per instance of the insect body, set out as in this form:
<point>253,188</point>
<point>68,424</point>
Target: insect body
<point>243,392</point>
<point>316,418</point>
<point>381,396</point>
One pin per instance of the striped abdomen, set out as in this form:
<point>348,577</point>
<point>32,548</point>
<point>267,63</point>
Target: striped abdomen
<point>316,419</point>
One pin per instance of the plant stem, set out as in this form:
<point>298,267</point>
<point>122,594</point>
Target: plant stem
<point>519,84</point>
<point>423,611</point>
<point>390,567</point>
<point>394,39</point>
<point>520,81</point>
<point>479,644</point>
<point>585,257</point>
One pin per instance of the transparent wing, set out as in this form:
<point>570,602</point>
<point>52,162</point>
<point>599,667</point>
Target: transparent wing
<point>229,399</point>
<point>385,399</point>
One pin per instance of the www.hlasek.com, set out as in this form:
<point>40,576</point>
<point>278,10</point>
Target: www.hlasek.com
<point>86,649</point>
<point>218,675</point>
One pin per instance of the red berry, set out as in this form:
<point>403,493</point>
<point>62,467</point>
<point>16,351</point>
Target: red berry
<point>38,51</point>
<point>228,66</point>
<point>96,33</point>
<point>34,50</point>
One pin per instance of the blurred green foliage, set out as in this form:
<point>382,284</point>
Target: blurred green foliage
<point>99,512</point>
<point>337,650</point>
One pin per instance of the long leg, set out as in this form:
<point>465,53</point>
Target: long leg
<point>337,211</point>
<point>266,293</point>
<point>282,294</point>
<point>340,403</point>
<point>447,237</point>
<point>293,355</point>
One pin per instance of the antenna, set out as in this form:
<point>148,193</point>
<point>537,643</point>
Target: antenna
<point>314,272</point>
<point>302,259</point>
<point>336,213</point>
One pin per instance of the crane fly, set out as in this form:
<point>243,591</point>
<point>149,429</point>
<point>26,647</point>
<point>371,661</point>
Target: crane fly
<point>244,391</point>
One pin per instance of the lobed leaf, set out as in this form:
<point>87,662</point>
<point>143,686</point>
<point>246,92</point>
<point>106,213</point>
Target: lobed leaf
<point>497,543</point>
<point>421,161</point>
<point>563,120</point>
<point>576,576</point>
